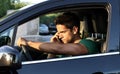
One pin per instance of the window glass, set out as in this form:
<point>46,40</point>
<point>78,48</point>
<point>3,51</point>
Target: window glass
<point>48,20</point>
<point>6,37</point>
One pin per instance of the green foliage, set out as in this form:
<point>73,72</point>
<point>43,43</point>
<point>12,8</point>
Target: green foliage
<point>19,5</point>
<point>7,4</point>
<point>4,6</point>
<point>49,18</point>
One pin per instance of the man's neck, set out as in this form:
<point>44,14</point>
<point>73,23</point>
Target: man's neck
<point>77,39</point>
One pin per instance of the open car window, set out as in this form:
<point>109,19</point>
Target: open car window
<point>94,25</point>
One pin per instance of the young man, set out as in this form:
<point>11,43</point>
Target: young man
<point>67,40</point>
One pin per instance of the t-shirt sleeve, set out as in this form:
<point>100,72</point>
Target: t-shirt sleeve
<point>90,45</point>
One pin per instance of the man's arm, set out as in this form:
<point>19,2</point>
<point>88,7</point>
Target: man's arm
<point>56,48</point>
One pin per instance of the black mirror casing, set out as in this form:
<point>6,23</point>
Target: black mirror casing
<point>10,58</point>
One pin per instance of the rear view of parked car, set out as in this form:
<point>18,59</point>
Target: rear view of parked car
<point>43,29</point>
<point>52,28</point>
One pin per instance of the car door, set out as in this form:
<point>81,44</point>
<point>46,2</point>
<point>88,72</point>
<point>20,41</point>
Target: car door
<point>103,25</point>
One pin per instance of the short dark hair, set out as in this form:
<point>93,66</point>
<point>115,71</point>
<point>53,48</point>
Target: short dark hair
<point>68,19</point>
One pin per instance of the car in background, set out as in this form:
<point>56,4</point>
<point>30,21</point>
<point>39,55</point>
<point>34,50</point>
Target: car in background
<point>99,21</point>
<point>52,28</point>
<point>43,29</point>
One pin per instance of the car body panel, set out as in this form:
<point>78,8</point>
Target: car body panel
<point>88,64</point>
<point>78,65</point>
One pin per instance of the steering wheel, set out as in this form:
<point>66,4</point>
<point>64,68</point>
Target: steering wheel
<point>26,53</point>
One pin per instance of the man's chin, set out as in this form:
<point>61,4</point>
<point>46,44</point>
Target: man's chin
<point>65,42</point>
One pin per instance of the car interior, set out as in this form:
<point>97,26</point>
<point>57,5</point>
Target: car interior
<point>93,26</point>
<point>93,23</point>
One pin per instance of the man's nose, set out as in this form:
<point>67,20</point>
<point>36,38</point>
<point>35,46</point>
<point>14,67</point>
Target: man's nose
<point>60,35</point>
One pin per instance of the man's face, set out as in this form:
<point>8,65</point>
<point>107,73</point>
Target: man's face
<point>65,34</point>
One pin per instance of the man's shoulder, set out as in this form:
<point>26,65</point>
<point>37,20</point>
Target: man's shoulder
<point>91,45</point>
<point>87,41</point>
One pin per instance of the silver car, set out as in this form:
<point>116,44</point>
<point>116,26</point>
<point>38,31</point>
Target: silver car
<point>43,29</point>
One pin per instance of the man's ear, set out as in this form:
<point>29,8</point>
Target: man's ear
<point>75,30</point>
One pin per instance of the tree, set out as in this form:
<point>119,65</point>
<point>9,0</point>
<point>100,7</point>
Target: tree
<point>10,4</point>
<point>4,6</point>
<point>19,5</point>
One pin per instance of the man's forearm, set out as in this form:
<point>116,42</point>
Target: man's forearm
<point>35,45</point>
<point>44,47</point>
<point>58,48</point>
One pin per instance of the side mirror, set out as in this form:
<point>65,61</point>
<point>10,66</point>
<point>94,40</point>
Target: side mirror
<point>10,58</point>
<point>5,40</point>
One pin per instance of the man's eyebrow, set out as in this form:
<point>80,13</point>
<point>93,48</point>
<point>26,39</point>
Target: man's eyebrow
<point>63,31</point>
<point>60,32</point>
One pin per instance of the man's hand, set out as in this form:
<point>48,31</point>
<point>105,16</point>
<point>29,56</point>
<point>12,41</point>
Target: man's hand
<point>22,41</point>
<point>55,38</point>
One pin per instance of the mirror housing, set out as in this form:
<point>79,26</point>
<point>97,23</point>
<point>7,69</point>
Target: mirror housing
<point>10,58</point>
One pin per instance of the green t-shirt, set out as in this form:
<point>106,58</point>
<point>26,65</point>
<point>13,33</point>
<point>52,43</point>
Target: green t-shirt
<point>90,45</point>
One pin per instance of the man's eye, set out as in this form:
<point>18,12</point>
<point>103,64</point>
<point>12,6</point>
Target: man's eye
<point>63,31</point>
